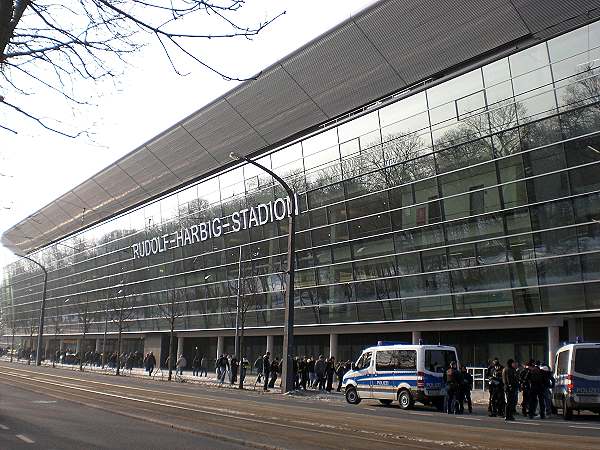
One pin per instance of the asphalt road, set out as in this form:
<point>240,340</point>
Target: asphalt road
<point>70,410</point>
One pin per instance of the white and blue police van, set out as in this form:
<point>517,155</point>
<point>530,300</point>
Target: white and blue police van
<point>403,372</point>
<point>577,378</point>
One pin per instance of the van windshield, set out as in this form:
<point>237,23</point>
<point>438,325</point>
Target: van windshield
<point>587,361</point>
<point>438,360</point>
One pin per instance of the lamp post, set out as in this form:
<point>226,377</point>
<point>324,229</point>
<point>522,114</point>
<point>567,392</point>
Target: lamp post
<point>287,375</point>
<point>38,355</point>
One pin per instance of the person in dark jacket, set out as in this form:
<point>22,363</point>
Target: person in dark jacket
<point>537,385</point>
<point>525,391</point>
<point>274,371</point>
<point>329,372</point>
<point>266,369</point>
<point>150,363</point>
<point>465,390</point>
<point>452,378</point>
<point>496,388</point>
<point>196,363</point>
<point>320,372</point>
<point>511,389</point>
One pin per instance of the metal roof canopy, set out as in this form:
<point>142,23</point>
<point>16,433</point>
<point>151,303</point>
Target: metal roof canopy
<point>389,46</point>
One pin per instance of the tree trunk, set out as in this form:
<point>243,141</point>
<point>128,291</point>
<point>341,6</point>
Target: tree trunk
<point>242,354</point>
<point>119,341</point>
<point>12,345</point>
<point>170,354</point>
<point>81,350</point>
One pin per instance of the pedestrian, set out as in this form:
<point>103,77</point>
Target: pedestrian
<point>549,387</point>
<point>234,369</point>
<point>466,386</point>
<point>222,367</point>
<point>452,380</point>
<point>258,367</point>
<point>266,368</point>
<point>312,376</point>
<point>496,389</point>
<point>525,390</point>
<point>196,363</point>
<point>150,363</point>
<point>320,368</point>
<point>511,389</point>
<point>537,385</point>
<point>181,364</point>
<point>203,366</point>
<point>329,372</point>
<point>244,366</point>
<point>274,372</point>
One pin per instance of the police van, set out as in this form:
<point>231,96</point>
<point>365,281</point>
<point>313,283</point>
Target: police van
<point>577,378</point>
<point>402,372</point>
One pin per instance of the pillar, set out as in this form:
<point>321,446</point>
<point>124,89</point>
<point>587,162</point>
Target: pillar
<point>179,346</point>
<point>333,345</point>
<point>416,337</point>
<point>47,349</point>
<point>220,345</point>
<point>270,343</point>
<point>78,346</point>
<point>61,345</point>
<point>553,344</point>
<point>98,345</point>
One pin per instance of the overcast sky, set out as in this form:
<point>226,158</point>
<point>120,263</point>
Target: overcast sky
<point>148,98</point>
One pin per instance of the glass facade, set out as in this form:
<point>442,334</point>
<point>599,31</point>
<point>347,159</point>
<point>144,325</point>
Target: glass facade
<point>476,197</point>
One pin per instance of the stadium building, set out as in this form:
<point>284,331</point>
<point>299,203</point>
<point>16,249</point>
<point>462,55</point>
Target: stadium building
<point>445,157</point>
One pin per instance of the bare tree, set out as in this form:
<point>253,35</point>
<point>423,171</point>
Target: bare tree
<point>171,311</point>
<point>85,318</point>
<point>51,45</point>
<point>121,310</point>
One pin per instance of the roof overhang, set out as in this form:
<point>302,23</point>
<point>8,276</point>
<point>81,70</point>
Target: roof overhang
<point>387,47</point>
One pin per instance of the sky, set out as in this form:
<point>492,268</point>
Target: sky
<point>37,166</point>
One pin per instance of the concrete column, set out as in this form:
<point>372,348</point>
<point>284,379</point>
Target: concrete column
<point>333,345</point>
<point>98,345</point>
<point>61,345</point>
<point>270,343</point>
<point>47,349</point>
<point>553,343</point>
<point>179,345</point>
<point>78,346</point>
<point>416,336</point>
<point>220,345</point>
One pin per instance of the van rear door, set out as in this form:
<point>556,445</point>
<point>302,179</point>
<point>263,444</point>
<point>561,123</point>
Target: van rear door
<point>435,364</point>
<point>586,374</point>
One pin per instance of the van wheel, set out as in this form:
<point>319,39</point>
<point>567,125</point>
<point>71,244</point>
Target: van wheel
<point>567,412</point>
<point>385,402</point>
<point>405,399</point>
<point>352,396</point>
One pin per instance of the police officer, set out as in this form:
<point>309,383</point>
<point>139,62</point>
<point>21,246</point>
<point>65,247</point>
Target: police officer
<point>266,369</point>
<point>537,385</point>
<point>496,389</point>
<point>511,388</point>
<point>465,390</point>
<point>525,391</point>
<point>452,378</point>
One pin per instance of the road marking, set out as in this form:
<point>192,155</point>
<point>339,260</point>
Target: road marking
<point>584,427</point>
<point>370,409</point>
<point>467,418</point>
<point>25,439</point>
<point>527,423</point>
<point>43,402</point>
<point>4,427</point>
<point>419,413</point>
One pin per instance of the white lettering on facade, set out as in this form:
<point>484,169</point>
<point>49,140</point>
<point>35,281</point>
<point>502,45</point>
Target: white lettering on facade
<point>239,220</point>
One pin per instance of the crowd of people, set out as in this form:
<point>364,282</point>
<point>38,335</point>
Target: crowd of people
<point>309,373</point>
<point>533,380</point>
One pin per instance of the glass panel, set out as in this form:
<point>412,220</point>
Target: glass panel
<point>403,109</point>
<point>528,59</point>
<point>358,127</point>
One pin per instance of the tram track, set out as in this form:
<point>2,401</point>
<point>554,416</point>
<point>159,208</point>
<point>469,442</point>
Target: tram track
<point>112,396</point>
<point>249,419</point>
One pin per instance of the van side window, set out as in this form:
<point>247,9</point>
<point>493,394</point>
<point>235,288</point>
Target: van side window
<point>396,360</point>
<point>586,361</point>
<point>438,361</point>
<point>364,361</point>
<point>562,366</point>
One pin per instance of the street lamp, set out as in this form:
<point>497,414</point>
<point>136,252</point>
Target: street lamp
<point>38,354</point>
<point>287,375</point>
